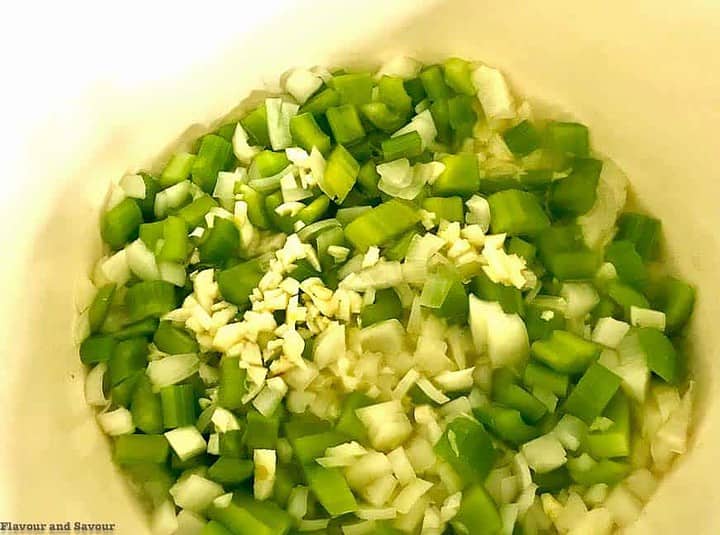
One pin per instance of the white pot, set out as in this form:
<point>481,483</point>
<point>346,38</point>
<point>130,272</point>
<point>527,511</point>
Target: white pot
<point>91,95</point>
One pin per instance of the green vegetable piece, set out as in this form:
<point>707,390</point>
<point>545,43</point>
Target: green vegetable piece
<point>676,299</point>
<point>303,270</point>
<point>537,375</point>
<point>346,215</point>
<point>345,124</point>
<point>331,490</point>
<point>147,205</point>
<point>214,528</point>
<point>467,447</point>
<point>446,208</point>
<point>97,348</point>
<point>100,306</point>
<point>227,131</point>
<point>536,179</point>
<point>382,116</point>
<point>194,213</point>
<point>643,231</point>
<point>522,248</point>
<point>150,299</point>
<point>592,393</point>
<point>121,223</point>
<point>460,177</point>
<point>353,88</point>
<point>178,405</point>
<point>615,441</point>
<point>307,448</point>
<point>174,340</point>
<point>230,472</point>
<point>213,156</point>
<point>461,116</point>
<point>381,224</point>
<point>509,297</point>
<point>568,138</point>
<point>238,520</point>
<point>404,146</point>
<point>231,444</point>
<point>315,210</point>
<point>341,172</point>
<point>122,393</point>
<point>146,407</point>
<point>175,244</point>
<point>478,514</point>
<point>626,297</point>
<point>392,92</point>
<point>565,352</point>
<point>506,392</point>
<point>386,306</point>
<point>152,233</point>
<point>154,480</point>
<point>584,470</point>
<point>458,76</point>
<point>261,432</point>
<point>307,134</point>
<point>575,194</point>
<point>628,263</point>
<point>523,138</point>
<point>538,327</point>
<point>398,250</point>
<point>231,388</point>
<point>128,357</point>
<point>237,282</point>
<point>368,179</point>
<point>276,519</point>
<point>433,81</point>
<point>553,480</point>
<point>322,101</point>
<point>267,163</point>
<point>348,423</point>
<point>136,449</point>
<point>220,243</point>
<point>255,124</point>
<point>282,223</point>
<point>415,89</point>
<point>506,423</point>
<point>662,359</point>
<point>144,328</point>
<point>516,212</point>
<point>440,111</point>
<point>177,169</point>
<point>332,236</point>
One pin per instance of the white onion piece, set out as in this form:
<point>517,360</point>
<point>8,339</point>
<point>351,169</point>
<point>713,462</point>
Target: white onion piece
<point>94,392</point>
<point>195,493</point>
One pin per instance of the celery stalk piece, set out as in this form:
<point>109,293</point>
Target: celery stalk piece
<point>256,207</point>
<point>261,432</point>
<point>174,340</point>
<point>458,76</point>
<point>405,146</point>
<point>194,213</point>
<point>238,520</point>
<point>255,124</point>
<point>231,472</point>
<point>354,88</point>
<point>307,134</point>
<point>445,208</point>
<point>434,84</point>
<point>382,223</point>
<point>567,138</point>
<point>177,169</point>
<point>592,393</point>
<point>345,124</point>
<point>392,93</point>
<point>150,298</point>
<point>460,177</point>
<point>615,441</point>
<point>584,470</point>
<point>340,175</point>
<point>178,405</point>
<point>382,116</point>
<point>516,213</point>
<point>231,388</point>
<point>676,299</point>
<point>97,348</point>
<point>537,375</point>
<point>321,102</point>
<point>100,306</point>
<point>628,263</point>
<point>121,223</point>
<point>575,194</point>
<point>175,240</point>
<point>128,357</point>
<point>136,449</point>
<point>220,242</point>
<point>213,156</point>
<point>506,392</point>
<point>146,408</point>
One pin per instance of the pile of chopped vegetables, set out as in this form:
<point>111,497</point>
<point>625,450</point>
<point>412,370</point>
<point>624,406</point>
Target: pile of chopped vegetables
<point>387,303</point>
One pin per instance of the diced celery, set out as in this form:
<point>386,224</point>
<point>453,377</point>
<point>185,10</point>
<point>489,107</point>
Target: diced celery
<point>478,513</point>
<point>615,441</point>
<point>662,358</point>
<point>177,169</point>
<point>405,146</point>
<point>567,138</point>
<point>341,173</point>
<point>458,76</point>
<point>592,393</point>
<point>467,447</point>
<point>628,263</point>
<point>565,352</point>
<point>345,124</point>
<point>445,208</point>
<point>382,223</point>
<point>121,223</point>
<point>255,124</point>
<point>213,156</point>
<point>676,299</point>
<point>220,242</point>
<point>523,138</point>
<point>392,92</point>
<point>330,488</point>
<point>516,212</point>
<point>355,88</point>
<point>433,81</point>
<point>575,194</point>
<point>194,213</point>
<point>460,177</point>
<point>643,231</point>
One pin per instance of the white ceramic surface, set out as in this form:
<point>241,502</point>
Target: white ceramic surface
<point>92,92</point>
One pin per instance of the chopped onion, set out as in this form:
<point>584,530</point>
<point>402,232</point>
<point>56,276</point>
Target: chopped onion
<point>508,515</point>
<point>117,422</point>
<point>581,298</point>
<point>645,317</point>
<point>171,197</point>
<point>186,442</point>
<point>329,345</point>
<point>596,494</point>
<point>376,513</point>
<point>453,381</point>
<point>172,369</point>
<point>173,273</point>
<point>609,332</point>
<point>400,66</point>
<point>302,83</point>
<point>570,431</point>
<point>94,391</point>
<point>386,337</point>
<point>163,520</point>
<point>378,492</point>
<point>313,230</point>
<point>359,528</point>
<point>493,93</point>
<point>596,522</point>
<point>224,420</point>
<point>623,506</point>
<point>195,493</point>
<point>503,336</point>
<point>133,186</point>
<point>279,114</point>
<point>241,146</point>
<point>424,125</point>
<point>297,504</point>
<point>189,523</point>
<point>572,514</point>
<point>430,391</point>
<point>368,468</point>
<point>598,224</point>
<point>544,453</point>
<point>478,212</point>
<point>141,261</point>
<point>410,495</point>
<point>116,269</point>
<point>642,483</point>
<point>265,465</point>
